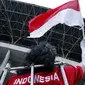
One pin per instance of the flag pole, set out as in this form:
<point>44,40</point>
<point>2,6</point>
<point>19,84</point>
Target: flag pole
<point>82,28</point>
<point>83,32</point>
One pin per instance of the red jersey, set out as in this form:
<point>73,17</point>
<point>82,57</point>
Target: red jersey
<point>74,75</point>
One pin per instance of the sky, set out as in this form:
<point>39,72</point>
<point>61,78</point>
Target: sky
<point>55,3</point>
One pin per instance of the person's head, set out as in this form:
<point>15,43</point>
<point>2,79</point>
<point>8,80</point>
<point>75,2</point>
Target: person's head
<point>44,53</point>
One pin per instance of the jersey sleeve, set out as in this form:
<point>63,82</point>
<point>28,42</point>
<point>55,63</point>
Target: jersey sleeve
<point>78,74</point>
<point>74,74</point>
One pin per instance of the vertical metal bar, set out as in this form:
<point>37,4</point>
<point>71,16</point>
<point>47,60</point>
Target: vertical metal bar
<point>32,74</point>
<point>83,32</point>
<point>4,62</point>
<point>82,45</point>
<point>64,75</point>
<point>4,74</point>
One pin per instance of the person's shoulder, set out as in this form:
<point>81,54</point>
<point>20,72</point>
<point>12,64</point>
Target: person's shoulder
<point>72,67</point>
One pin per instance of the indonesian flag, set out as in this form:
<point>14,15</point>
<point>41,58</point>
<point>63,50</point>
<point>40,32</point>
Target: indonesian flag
<point>68,13</point>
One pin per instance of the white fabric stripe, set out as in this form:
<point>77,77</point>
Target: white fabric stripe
<point>68,16</point>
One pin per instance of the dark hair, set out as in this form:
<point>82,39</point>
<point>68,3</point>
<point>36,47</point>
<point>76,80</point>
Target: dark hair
<point>44,53</point>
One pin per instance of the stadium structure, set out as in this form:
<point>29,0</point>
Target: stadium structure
<point>14,44</point>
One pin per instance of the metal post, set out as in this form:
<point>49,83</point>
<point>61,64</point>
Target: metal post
<point>4,62</point>
<point>4,74</point>
<point>64,75</point>
<point>32,74</point>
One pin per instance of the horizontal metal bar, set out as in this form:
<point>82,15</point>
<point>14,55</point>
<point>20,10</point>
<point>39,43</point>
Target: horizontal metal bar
<point>14,47</point>
<point>26,67</point>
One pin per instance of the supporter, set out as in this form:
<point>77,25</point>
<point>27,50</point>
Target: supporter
<point>49,74</point>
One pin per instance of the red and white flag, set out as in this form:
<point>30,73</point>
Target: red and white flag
<point>68,13</point>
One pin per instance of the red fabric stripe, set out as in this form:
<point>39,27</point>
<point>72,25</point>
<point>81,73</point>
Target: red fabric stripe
<point>39,20</point>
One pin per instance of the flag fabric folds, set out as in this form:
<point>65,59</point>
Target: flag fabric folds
<point>68,13</point>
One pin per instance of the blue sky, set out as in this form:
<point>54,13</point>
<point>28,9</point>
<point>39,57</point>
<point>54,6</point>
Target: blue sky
<point>55,3</point>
